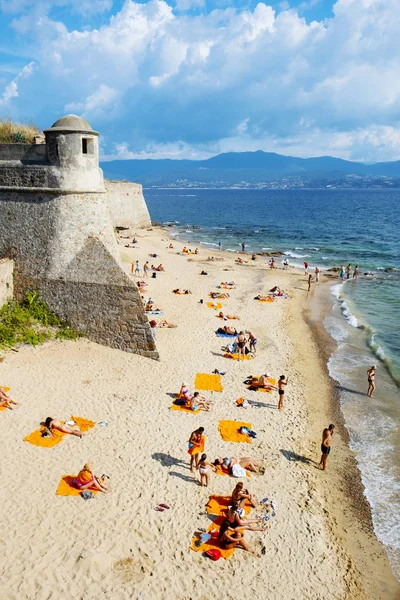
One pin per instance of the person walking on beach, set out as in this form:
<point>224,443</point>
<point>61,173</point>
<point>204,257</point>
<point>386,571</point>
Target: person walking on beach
<point>219,246</point>
<point>317,272</point>
<point>281,391</point>
<point>196,442</point>
<point>355,272</point>
<point>243,246</point>
<point>135,267</point>
<point>348,271</point>
<point>146,269</point>
<point>341,272</point>
<point>305,267</point>
<point>310,278</point>
<point>371,381</point>
<point>326,445</point>
<point>241,344</point>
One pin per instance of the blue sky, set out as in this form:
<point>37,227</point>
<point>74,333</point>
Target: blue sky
<point>192,78</point>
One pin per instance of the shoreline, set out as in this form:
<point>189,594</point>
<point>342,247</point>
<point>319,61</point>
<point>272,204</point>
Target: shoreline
<point>307,552</point>
<point>379,581</point>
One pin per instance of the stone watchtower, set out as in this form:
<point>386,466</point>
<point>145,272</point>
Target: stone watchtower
<point>57,220</point>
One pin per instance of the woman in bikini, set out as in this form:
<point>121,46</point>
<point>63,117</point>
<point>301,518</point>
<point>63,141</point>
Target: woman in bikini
<point>51,424</point>
<point>196,446</point>
<point>241,496</point>
<point>235,516</point>
<point>226,464</point>
<point>86,480</point>
<point>281,391</point>
<point>231,538</point>
<point>241,344</point>
<point>204,470</point>
<point>371,381</point>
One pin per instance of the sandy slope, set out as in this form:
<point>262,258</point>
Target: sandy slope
<point>118,546</point>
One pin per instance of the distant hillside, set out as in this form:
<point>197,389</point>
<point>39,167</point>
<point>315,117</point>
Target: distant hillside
<point>261,169</point>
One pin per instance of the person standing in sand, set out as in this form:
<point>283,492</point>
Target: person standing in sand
<point>196,442</point>
<point>310,278</point>
<point>219,246</point>
<point>326,445</point>
<point>371,381</point>
<point>241,344</point>
<point>252,342</point>
<point>135,267</point>
<point>317,272</point>
<point>146,269</point>
<point>305,267</point>
<point>281,391</point>
<point>348,271</point>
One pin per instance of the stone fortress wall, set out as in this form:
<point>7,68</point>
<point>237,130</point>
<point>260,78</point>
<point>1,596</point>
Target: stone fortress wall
<point>57,222</point>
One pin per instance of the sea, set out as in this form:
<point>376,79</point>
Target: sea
<point>328,228</point>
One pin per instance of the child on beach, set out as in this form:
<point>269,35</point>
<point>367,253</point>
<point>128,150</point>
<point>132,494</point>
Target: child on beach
<point>204,471</point>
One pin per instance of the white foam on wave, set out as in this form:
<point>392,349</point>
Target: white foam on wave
<point>266,248</point>
<point>336,290</point>
<point>294,255</point>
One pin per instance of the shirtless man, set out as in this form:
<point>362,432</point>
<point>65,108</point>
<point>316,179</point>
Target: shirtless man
<point>199,402</point>
<point>326,445</point>
<point>5,400</point>
<point>264,383</point>
<point>371,381</point>
<point>282,383</point>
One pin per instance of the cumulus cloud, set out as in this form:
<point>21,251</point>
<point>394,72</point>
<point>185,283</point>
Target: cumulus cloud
<point>156,79</point>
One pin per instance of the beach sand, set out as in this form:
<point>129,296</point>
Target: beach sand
<point>320,543</point>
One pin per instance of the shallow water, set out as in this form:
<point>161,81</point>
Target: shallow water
<point>327,228</point>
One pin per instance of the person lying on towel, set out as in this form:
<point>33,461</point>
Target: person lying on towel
<point>50,424</point>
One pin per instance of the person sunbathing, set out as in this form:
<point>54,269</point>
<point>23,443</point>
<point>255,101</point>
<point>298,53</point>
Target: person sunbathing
<point>236,519</point>
<point>219,295</point>
<point>184,393</point>
<point>159,268</point>
<point>263,382</point>
<point>184,250</point>
<point>141,284</point>
<point>241,261</point>
<point>221,315</point>
<point>275,290</point>
<point>231,538</point>
<point>6,401</point>
<point>150,306</point>
<point>198,402</point>
<point>227,330</point>
<point>170,246</point>
<point>241,495</point>
<point>165,324</point>
<point>86,480</point>
<point>261,297</point>
<point>181,292</point>
<point>226,464</point>
<point>50,424</point>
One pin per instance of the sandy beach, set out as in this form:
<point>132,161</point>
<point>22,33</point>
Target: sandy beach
<point>319,545</point>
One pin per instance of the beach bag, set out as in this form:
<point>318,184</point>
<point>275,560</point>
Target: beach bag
<point>238,471</point>
<point>180,402</point>
<point>214,554</point>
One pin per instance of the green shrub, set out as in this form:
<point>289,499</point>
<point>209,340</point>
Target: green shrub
<point>31,322</point>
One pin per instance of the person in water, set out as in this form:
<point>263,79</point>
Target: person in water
<point>326,445</point>
<point>86,480</point>
<point>355,272</point>
<point>51,424</point>
<point>371,381</point>
<point>282,383</point>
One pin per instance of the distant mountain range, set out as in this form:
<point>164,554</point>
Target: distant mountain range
<point>255,169</point>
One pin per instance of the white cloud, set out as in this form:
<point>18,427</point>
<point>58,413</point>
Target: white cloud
<point>153,79</point>
<point>11,90</point>
<point>184,5</point>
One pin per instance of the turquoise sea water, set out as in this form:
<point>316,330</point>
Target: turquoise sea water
<point>327,228</point>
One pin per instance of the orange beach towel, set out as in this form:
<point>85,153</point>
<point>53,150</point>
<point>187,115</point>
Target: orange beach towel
<point>205,381</point>
<point>236,356</point>
<point>229,431</point>
<point>216,305</point>
<point>253,386</point>
<point>36,438</point>
<point>66,487</point>
<point>183,408</point>
<point>198,448</point>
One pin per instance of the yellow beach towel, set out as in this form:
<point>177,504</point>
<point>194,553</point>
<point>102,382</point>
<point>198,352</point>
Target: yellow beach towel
<point>183,409</point>
<point>266,300</point>
<point>218,505</point>
<point>36,438</point>
<point>236,356</point>
<point>66,487</point>
<point>204,381</point>
<point>198,448</point>
<point>213,542</point>
<point>216,305</point>
<point>229,431</point>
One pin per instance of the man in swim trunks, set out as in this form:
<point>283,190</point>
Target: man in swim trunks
<point>326,445</point>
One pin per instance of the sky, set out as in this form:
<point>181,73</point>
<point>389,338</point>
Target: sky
<point>194,78</point>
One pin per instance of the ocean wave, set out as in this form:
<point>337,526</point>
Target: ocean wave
<point>294,255</point>
<point>266,248</point>
<point>336,290</point>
